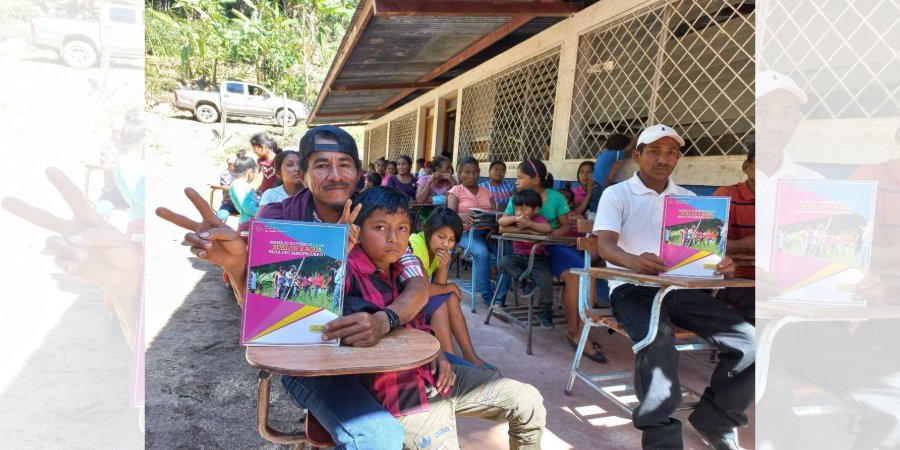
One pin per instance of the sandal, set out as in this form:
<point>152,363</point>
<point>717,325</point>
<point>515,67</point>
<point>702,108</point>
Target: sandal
<point>598,355</point>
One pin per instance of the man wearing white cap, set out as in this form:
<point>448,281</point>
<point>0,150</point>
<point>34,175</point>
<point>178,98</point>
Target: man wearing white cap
<point>629,224</point>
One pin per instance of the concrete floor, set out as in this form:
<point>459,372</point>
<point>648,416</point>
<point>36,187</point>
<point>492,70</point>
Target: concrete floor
<point>201,392</point>
<point>585,419</point>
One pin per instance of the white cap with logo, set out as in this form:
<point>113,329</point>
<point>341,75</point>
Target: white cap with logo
<point>771,80</point>
<point>656,132</point>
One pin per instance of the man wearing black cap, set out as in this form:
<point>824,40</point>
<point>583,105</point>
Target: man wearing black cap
<point>329,162</point>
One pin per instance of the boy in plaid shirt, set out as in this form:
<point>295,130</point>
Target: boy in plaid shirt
<point>427,399</point>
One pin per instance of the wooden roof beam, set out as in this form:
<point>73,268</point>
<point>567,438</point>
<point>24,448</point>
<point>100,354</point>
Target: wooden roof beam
<point>384,86</point>
<point>486,8</point>
<point>479,45</point>
<point>366,112</point>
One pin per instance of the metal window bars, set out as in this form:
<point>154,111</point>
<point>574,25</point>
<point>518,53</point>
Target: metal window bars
<point>509,116</point>
<point>685,63</point>
<point>847,65</point>
<point>402,139</point>
<point>377,143</point>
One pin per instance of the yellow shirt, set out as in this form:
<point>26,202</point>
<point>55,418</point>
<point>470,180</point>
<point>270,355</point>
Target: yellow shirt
<point>420,248</point>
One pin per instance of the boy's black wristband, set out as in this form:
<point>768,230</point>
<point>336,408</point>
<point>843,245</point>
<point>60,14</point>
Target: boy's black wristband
<point>393,319</point>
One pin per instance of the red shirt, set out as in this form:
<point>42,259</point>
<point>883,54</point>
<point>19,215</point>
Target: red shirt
<point>402,392</point>
<point>741,218</point>
<point>268,173</point>
<point>524,248</point>
<point>887,212</point>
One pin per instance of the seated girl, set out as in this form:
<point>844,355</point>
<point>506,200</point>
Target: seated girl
<point>433,246</point>
<point>462,198</point>
<point>287,170</point>
<point>532,174</point>
<point>436,184</point>
<point>243,195</point>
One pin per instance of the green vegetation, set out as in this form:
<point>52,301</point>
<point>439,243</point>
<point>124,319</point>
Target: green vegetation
<point>286,45</point>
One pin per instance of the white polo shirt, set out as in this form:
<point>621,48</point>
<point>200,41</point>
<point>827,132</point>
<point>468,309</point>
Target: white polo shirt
<point>635,212</point>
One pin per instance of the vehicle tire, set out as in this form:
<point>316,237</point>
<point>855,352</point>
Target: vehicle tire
<point>79,54</point>
<point>286,115</point>
<point>206,113</point>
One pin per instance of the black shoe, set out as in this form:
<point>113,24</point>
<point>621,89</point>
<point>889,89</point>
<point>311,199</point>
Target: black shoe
<point>528,287</point>
<point>715,441</point>
<point>546,318</point>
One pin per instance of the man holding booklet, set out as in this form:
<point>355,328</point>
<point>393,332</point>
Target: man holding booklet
<point>329,161</point>
<point>629,226</point>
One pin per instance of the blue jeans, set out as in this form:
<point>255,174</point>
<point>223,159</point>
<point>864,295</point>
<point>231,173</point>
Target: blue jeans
<point>482,263</point>
<point>347,410</point>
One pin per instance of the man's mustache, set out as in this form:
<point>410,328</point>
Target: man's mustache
<point>335,186</point>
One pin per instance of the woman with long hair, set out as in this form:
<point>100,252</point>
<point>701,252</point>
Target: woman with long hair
<point>438,183</point>
<point>287,168</point>
<point>265,149</point>
<point>532,174</point>
<point>404,180</point>
<point>244,197</point>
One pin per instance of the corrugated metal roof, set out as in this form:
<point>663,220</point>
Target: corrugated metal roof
<point>403,49</point>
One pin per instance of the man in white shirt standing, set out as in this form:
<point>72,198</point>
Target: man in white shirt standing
<point>629,224</point>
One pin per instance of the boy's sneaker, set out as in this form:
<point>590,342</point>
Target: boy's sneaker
<point>528,287</point>
<point>546,318</point>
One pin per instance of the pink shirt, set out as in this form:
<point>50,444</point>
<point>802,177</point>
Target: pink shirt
<point>580,194</point>
<point>468,200</point>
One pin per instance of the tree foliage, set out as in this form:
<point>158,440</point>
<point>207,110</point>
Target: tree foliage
<point>287,44</point>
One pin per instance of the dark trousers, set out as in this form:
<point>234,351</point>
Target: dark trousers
<point>656,383</point>
<point>515,265</point>
<point>743,300</point>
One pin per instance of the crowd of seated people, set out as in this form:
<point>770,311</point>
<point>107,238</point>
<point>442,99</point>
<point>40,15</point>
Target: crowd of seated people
<point>424,298</point>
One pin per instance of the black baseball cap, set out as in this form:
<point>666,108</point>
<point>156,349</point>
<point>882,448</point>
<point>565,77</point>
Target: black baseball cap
<point>345,143</point>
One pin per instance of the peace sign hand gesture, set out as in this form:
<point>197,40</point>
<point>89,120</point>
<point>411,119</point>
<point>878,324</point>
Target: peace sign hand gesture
<point>348,218</point>
<point>210,239</point>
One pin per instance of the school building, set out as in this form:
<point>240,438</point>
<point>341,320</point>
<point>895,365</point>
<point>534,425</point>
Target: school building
<point>551,80</point>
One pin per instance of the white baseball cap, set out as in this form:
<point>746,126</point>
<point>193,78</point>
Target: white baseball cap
<point>656,132</point>
<point>771,80</point>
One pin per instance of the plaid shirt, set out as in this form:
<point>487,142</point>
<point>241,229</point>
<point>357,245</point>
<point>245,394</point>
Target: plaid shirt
<point>402,392</point>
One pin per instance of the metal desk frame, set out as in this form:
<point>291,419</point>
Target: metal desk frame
<point>608,384</point>
<point>510,312</point>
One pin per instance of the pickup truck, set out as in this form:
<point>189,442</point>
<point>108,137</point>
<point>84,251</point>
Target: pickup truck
<point>119,32</point>
<point>240,99</point>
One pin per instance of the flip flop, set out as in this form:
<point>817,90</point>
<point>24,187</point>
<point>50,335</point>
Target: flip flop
<point>598,356</point>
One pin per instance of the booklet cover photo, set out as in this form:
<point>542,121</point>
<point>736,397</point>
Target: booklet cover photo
<point>294,282</point>
<point>823,239</point>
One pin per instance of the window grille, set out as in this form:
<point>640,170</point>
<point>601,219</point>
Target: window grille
<point>403,137</point>
<point>839,52</point>
<point>688,64</point>
<point>377,143</point>
<point>509,116</point>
